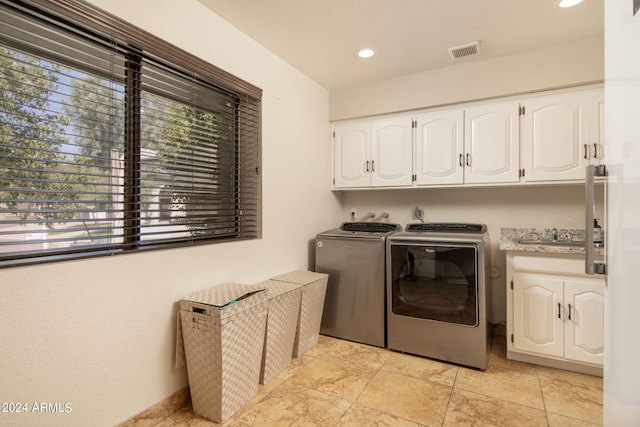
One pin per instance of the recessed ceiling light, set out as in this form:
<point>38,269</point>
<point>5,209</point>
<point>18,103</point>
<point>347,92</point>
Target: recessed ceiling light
<point>568,3</point>
<point>366,53</point>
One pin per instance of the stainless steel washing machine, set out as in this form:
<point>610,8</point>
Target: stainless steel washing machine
<point>354,257</point>
<point>437,296</point>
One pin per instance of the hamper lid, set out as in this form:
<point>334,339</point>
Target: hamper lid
<point>301,277</point>
<point>225,294</point>
<point>275,288</point>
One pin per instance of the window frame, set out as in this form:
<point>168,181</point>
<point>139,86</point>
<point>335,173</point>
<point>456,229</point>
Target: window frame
<point>141,45</point>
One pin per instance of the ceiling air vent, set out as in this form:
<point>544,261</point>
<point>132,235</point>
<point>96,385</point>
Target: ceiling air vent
<point>464,50</point>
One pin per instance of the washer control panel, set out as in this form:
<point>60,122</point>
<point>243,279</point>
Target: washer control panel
<point>370,227</point>
<point>447,227</point>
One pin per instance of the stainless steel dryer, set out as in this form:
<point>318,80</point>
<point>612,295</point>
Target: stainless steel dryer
<point>354,257</point>
<point>437,297</point>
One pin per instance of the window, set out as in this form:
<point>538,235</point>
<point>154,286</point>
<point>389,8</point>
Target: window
<point>113,141</point>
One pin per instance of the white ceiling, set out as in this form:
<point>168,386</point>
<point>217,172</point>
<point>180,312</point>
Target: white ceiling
<point>320,37</point>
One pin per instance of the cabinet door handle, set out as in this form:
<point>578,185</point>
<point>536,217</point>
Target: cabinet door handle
<point>461,160</point>
<point>468,159</point>
<point>586,151</point>
<point>595,150</point>
<point>569,311</point>
<point>367,165</point>
<point>373,166</point>
<point>559,311</point>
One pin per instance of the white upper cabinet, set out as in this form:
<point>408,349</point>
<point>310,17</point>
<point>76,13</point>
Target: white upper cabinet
<point>491,143</point>
<point>561,135</point>
<point>352,144</point>
<point>440,148</point>
<point>541,139</point>
<point>596,128</point>
<point>373,154</point>
<point>391,152</point>
<point>555,137</point>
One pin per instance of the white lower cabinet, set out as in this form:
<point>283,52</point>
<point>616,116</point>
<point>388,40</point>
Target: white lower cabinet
<point>555,313</point>
<point>584,330</point>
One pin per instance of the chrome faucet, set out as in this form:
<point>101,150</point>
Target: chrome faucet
<point>554,235</point>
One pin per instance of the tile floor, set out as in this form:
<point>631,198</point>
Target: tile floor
<point>340,383</point>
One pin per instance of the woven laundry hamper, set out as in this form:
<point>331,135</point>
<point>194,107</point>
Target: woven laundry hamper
<point>223,333</point>
<point>282,323</point>
<point>314,288</point>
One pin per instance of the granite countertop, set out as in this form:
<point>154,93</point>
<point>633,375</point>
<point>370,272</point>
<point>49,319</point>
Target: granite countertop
<point>511,236</point>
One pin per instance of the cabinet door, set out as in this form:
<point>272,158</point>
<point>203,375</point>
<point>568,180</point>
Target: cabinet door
<point>351,155</point>
<point>491,143</point>
<point>596,131</point>
<point>440,148</point>
<point>537,314</point>
<point>391,152</point>
<point>555,137</point>
<point>584,327</point>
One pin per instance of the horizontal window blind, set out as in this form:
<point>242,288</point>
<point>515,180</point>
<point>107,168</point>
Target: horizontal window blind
<point>107,148</point>
<point>188,158</point>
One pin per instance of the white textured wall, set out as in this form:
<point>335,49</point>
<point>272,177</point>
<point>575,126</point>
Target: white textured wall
<point>99,333</point>
<point>558,66</point>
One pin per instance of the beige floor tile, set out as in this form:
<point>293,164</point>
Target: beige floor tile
<point>160,411</point>
<point>569,376</point>
<point>265,389</point>
<point>354,384</point>
<point>368,355</point>
<point>556,420</point>
<point>186,418</point>
<point>466,408</point>
<point>406,397</point>
<point>336,377</point>
<point>498,358</point>
<point>574,400</point>
<point>296,365</point>
<point>142,422</point>
<point>293,405</point>
<point>310,354</point>
<point>421,368</point>
<point>358,415</point>
<point>506,384</point>
<point>326,343</point>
